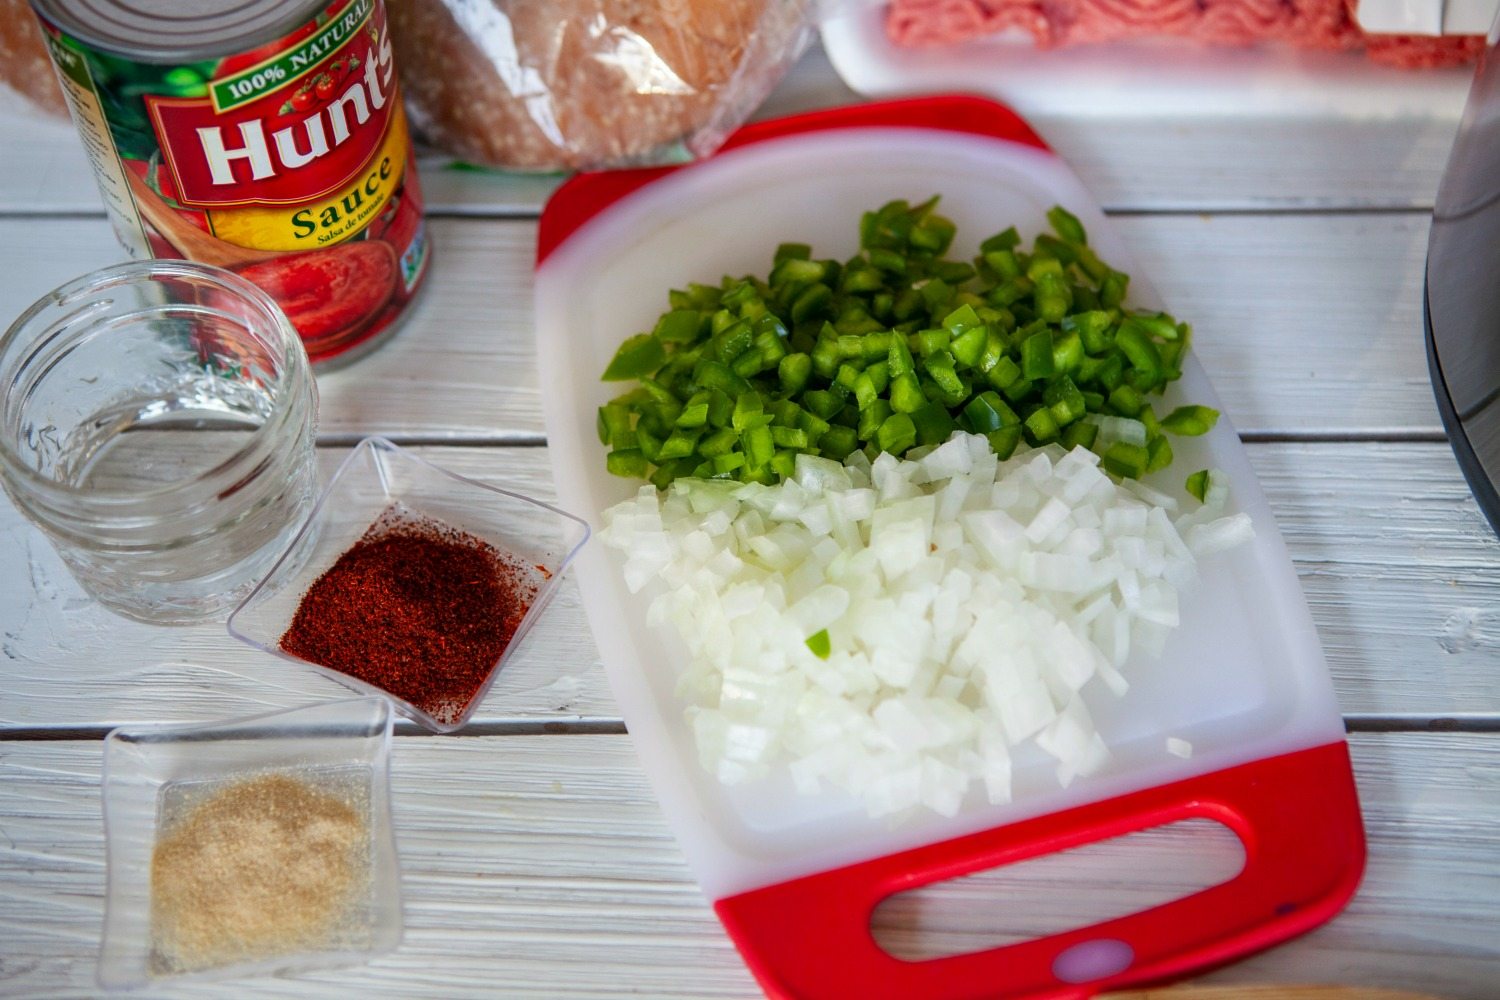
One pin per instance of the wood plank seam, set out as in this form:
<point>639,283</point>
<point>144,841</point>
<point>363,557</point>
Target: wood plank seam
<point>500,439</point>
<point>1271,211</point>
<point>529,439</point>
<point>1354,722</point>
<point>1394,436</point>
<point>503,214</point>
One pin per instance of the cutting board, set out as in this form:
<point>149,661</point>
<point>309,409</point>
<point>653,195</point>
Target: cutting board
<point>794,878</point>
<point>1147,77</point>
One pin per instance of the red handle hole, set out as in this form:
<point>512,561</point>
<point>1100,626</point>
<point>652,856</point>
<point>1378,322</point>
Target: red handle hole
<point>1059,892</point>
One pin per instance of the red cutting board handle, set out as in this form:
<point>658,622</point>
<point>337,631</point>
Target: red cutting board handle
<point>584,196</point>
<point>1297,815</point>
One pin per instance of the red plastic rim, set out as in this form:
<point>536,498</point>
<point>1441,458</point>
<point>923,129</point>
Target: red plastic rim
<point>586,195</point>
<point>1297,815</point>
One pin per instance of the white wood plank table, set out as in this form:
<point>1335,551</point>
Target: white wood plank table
<point>537,864</point>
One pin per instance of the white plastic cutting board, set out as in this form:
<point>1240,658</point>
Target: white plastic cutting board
<point>1243,679</point>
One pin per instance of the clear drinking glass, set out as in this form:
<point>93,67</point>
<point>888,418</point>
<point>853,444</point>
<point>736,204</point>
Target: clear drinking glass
<point>156,423</point>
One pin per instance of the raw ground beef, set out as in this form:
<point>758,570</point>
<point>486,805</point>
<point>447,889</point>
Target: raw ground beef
<point>1313,24</point>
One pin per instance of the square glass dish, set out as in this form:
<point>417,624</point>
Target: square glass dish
<point>181,808</point>
<point>536,540</point>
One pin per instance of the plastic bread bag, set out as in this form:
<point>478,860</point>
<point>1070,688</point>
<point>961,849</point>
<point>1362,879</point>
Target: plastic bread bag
<point>28,83</point>
<point>549,85</point>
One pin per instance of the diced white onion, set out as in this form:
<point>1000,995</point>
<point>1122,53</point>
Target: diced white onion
<point>1216,536</point>
<point>1113,429</point>
<point>968,603</point>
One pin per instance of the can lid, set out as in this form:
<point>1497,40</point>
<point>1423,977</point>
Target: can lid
<point>165,31</point>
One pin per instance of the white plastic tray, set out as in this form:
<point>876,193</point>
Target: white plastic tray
<point>1142,77</point>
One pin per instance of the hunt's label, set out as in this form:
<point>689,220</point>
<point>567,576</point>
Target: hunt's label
<point>299,146</point>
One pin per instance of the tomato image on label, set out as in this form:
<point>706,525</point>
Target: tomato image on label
<point>401,226</point>
<point>329,294</point>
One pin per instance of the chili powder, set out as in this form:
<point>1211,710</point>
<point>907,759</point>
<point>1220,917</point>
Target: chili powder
<point>417,608</point>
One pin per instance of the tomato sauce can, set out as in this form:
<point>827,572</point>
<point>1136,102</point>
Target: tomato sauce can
<point>264,136</point>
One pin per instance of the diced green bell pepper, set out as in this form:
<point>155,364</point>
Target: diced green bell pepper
<point>793,372</point>
<point>628,462</point>
<point>1041,425</point>
<point>1066,225</point>
<point>1158,454</point>
<point>1036,356</point>
<point>680,326</point>
<point>906,393</point>
<point>1065,400</point>
<point>638,356</point>
<point>614,421</point>
<point>838,443</point>
<point>988,412</point>
<point>896,434</point>
<point>1080,434</point>
<point>969,347</point>
<point>933,423</point>
<point>1003,442</point>
<point>1126,460</point>
<point>1190,421</point>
